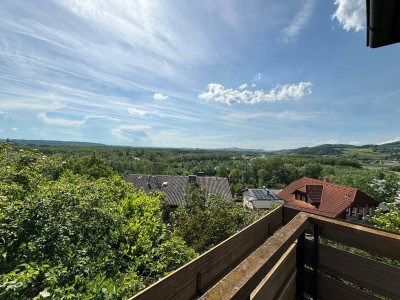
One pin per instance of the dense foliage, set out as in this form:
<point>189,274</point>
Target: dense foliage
<point>387,220</point>
<point>74,229</point>
<point>205,221</point>
<point>246,168</point>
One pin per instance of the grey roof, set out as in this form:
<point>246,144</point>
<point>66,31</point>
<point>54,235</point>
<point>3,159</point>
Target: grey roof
<point>261,194</point>
<point>174,185</point>
<point>266,204</point>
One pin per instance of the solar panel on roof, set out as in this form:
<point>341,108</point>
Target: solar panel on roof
<point>260,194</point>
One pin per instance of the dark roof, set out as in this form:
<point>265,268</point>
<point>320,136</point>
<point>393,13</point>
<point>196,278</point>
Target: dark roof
<point>261,194</point>
<point>174,186</point>
<point>383,22</point>
<point>333,198</point>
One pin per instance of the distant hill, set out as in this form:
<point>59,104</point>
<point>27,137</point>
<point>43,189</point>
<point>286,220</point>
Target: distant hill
<point>241,149</point>
<point>336,149</point>
<point>51,143</point>
<point>327,149</point>
<point>394,144</point>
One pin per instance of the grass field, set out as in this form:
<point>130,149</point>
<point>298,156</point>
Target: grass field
<point>365,153</point>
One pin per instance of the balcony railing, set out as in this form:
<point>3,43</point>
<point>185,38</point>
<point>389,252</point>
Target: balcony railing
<point>288,255</point>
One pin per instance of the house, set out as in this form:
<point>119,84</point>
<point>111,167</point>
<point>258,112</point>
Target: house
<point>256,199</point>
<point>174,186</point>
<point>328,199</point>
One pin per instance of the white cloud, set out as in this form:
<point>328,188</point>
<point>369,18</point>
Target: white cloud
<point>286,115</point>
<point>126,132</point>
<point>258,76</point>
<point>136,111</point>
<point>355,143</point>
<point>69,123</point>
<point>253,85</point>
<point>332,142</point>
<point>14,128</point>
<point>217,92</point>
<point>60,121</point>
<point>301,19</point>
<point>397,139</point>
<point>160,97</point>
<point>350,14</point>
<point>243,86</point>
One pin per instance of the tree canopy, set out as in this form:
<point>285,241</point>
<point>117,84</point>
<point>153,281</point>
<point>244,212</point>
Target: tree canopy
<point>69,232</point>
<point>204,221</point>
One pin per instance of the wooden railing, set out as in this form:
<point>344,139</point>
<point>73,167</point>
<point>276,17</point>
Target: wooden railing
<point>287,255</point>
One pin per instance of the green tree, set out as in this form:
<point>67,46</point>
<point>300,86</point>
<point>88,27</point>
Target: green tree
<point>390,220</point>
<point>204,221</point>
<point>67,235</point>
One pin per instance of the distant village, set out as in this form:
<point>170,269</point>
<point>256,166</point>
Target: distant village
<point>320,197</point>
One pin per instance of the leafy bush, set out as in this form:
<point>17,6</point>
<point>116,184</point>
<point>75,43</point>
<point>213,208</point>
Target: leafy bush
<point>88,236</point>
<point>205,221</point>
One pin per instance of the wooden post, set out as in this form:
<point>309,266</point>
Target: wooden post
<point>314,291</point>
<point>300,267</point>
<point>198,285</point>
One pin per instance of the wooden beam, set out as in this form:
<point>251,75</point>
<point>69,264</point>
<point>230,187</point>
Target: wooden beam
<point>374,241</point>
<point>300,266</point>
<point>201,273</point>
<point>239,283</point>
<point>364,272</point>
<point>275,280</point>
<point>289,291</point>
<point>332,289</point>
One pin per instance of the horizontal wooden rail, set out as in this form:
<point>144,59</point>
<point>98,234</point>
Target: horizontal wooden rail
<point>242,281</point>
<point>332,289</point>
<point>200,274</point>
<point>364,272</point>
<point>276,280</point>
<point>259,262</point>
<point>374,241</point>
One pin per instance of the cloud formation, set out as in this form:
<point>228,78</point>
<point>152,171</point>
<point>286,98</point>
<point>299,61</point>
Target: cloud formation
<point>70,123</point>
<point>287,115</point>
<point>258,76</point>
<point>136,111</point>
<point>350,14</point>
<point>291,32</point>
<point>243,86</point>
<point>126,132</point>
<point>397,139</point>
<point>160,97</point>
<point>217,92</point>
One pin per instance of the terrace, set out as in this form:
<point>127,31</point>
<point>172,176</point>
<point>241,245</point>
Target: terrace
<point>290,255</point>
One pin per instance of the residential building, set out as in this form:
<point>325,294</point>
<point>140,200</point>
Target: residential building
<point>174,185</point>
<point>261,199</point>
<point>328,199</point>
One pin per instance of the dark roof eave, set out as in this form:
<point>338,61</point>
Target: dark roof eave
<point>383,22</point>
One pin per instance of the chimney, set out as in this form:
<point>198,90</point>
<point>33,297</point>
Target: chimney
<point>326,179</point>
<point>192,179</point>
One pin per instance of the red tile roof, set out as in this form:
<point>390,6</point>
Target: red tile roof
<point>333,199</point>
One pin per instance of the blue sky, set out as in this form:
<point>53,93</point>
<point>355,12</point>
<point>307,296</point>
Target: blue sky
<point>200,74</point>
